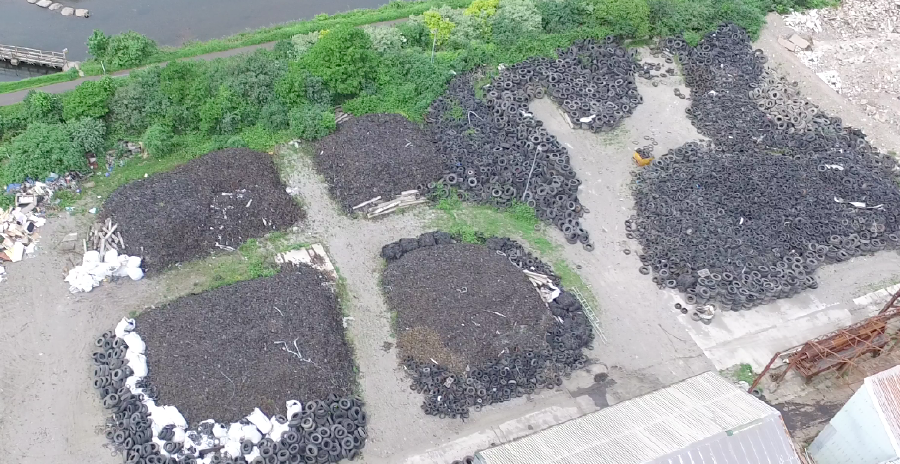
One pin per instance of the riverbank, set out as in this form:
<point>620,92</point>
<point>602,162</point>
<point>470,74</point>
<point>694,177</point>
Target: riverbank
<point>390,12</point>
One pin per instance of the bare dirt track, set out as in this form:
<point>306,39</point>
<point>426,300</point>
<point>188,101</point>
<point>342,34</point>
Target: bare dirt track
<point>48,409</point>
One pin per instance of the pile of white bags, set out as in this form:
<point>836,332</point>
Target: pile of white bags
<point>92,270</point>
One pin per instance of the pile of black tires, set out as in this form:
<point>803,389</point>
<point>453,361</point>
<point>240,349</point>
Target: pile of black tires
<point>496,152</point>
<point>780,189</point>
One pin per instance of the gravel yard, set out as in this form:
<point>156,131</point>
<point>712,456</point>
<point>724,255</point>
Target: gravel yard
<point>219,354</point>
<point>219,200</point>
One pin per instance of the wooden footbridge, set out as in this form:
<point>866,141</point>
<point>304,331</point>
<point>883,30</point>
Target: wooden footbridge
<point>16,55</point>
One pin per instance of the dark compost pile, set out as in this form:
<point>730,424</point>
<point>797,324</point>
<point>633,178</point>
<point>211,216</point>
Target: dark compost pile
<point>196,343</point>
<point>780,190</point>
<point>224,198</point>
<point>471,327</point>
<point>215,355</point>
<point>376,155</point>
<point>495,151</point>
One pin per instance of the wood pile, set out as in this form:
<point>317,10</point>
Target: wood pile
<point>378,207</point>
<point>104,236</point>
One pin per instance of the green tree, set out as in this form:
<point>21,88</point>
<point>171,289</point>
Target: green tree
<point>90,99</point>
<point>41,149</point>
<point>98,44</point>
<point>440,27</point>
<point>344,59</point>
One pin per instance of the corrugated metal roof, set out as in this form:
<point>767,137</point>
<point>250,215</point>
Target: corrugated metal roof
<point>885,390</point>
<point>703,419</point>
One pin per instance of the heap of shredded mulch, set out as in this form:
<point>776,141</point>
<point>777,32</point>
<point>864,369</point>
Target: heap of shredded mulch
<point>376,155</point>
<point>219,200</point>
<point>214,355</point>
<point>462,305</point>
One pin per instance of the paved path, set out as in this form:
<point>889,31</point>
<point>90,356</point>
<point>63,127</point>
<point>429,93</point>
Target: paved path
<point>16,97</point>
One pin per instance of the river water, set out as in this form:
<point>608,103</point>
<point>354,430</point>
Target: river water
<point>168,22</point>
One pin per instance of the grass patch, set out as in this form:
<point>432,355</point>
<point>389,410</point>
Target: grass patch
<point>254,259</point>
<point>32,82</point>
<point>740,373</point>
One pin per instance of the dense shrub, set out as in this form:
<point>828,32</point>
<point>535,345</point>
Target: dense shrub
<point>303,42</point>
<point>407,83</point>
<point>252,79</point>
<point>121,50</point>
<point>274,116</point>
<point>43,107</point>
<point>41,149</point>
<point>139,103</point>
<point>235,141</point>
<point>221,114</point>
<point>311,122</point>
<point>561,15</point>
<point>624,18</point>
<point>515,19</point>
<point>417,35</point>
<point>13,119</point>
<point>158,140</point>
<point>284,50</point>
<point>385,39</point>
<point>482,13</point>
<point>693,18</point>
<point>90,99</point>
<point>186,86</point>
<point>298,86</point>
<point>344,59</point>
<point>88,135</point>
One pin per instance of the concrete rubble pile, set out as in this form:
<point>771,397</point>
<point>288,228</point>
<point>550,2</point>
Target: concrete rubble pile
<point>853,48</point>
<point>19,228</point>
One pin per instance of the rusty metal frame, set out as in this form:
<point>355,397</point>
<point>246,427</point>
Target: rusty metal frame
<point>840,346</point>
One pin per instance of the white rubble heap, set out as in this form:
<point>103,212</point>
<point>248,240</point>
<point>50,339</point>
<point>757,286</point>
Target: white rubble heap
<point>229,437</point>
<point>92,270</point>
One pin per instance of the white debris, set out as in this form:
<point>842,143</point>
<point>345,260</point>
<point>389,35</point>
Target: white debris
<point>832,78</point>
<point>260,420</point>
<point>228,436</point>
<point>804,22</point>
<point>92,271</point>
<point>277,428</point>
<point>126,325</point>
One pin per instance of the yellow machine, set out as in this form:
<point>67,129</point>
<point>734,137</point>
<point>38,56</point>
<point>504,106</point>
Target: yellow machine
<point>642,160</point>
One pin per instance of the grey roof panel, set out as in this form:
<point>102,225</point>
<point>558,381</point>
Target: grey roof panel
<point>704,419</point>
